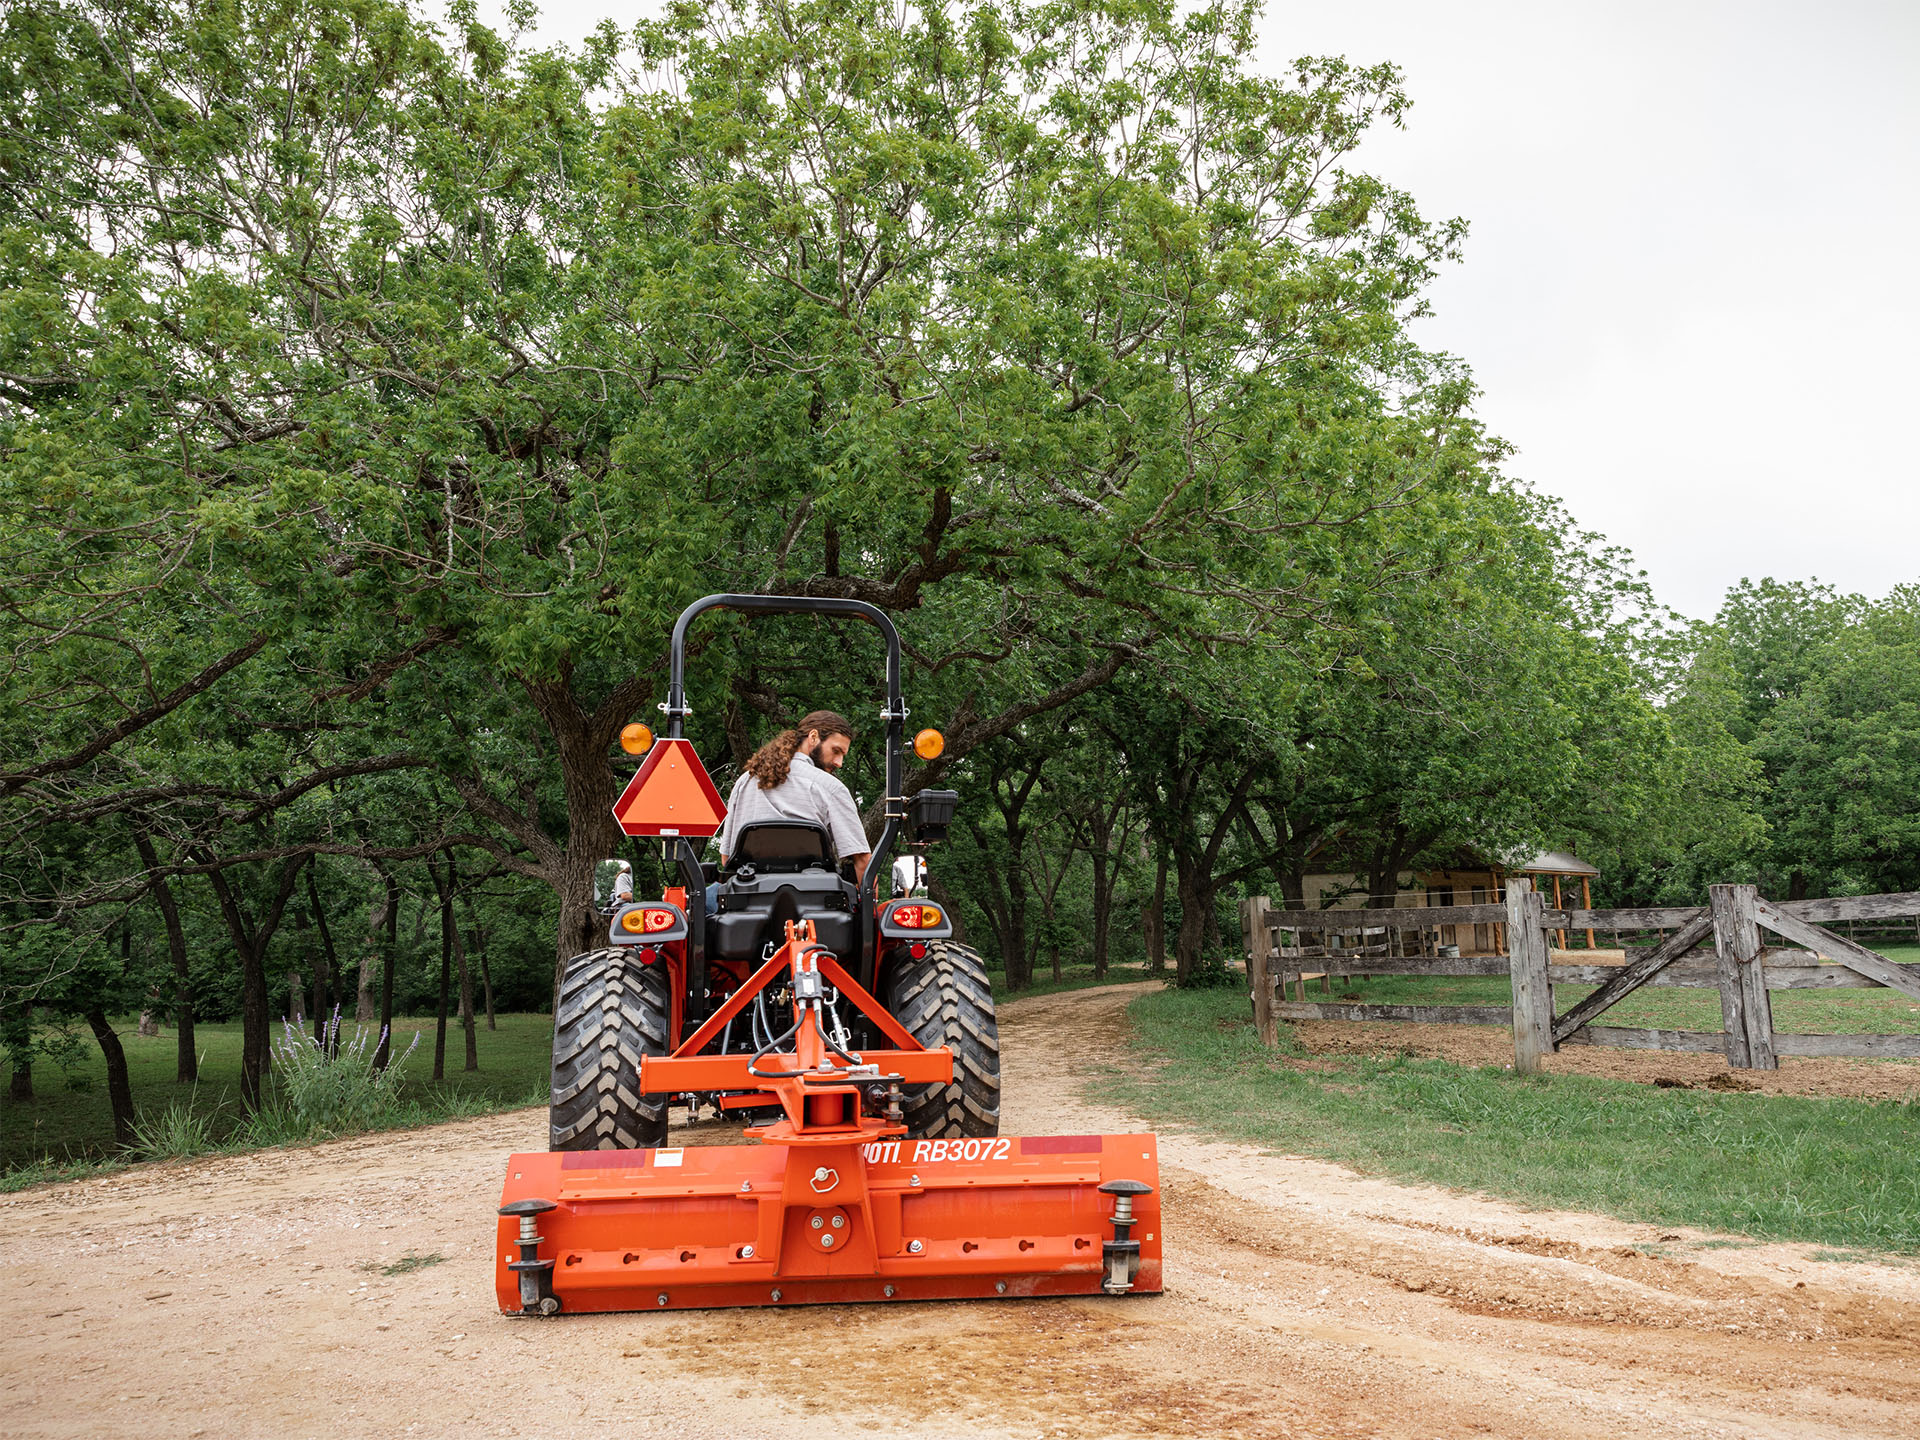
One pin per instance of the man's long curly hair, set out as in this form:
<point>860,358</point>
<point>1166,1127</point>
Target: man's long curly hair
<point>773,760</point>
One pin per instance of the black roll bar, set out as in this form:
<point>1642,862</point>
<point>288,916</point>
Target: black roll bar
<point>895,716</point>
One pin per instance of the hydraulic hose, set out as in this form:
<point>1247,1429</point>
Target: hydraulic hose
<point>753,1065</point>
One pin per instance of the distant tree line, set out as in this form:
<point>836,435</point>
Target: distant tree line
<point>1798,707</point>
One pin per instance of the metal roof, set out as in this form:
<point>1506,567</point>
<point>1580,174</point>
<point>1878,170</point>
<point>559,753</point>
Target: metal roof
<point>1556,862</point>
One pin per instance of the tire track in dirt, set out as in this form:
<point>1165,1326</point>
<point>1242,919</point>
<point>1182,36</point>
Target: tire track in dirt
<point>258,1295</point>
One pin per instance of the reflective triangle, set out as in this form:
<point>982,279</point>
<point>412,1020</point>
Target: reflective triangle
<point>670,794</point>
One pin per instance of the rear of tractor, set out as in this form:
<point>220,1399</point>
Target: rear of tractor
<point>856,1034</point>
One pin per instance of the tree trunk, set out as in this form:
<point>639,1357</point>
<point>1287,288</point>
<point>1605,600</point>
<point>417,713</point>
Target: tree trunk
<point>1020,968</point>
<point>1153,919</point>
<point>586,774</point>
<point>1102,910</point>
<point>419,936</point>
<point>938,892</point>
<point>17,1030</point>
<point>1012,804</point>
<point>466,1005</point>
<point>477,946</point>
<point>388,951</point>
<point>451,938</point>
<point>1019,959</point>
<point>994,902</point>
<point>466,973</point>
<point>580,924</point>
<point>446,977</point>
<point>119,1086</point>
<point>296,999</point>
<point>363,1011</point>
<point>146,1027</point>
<point>186,1064</point>
<point>253,990</point>
<point>382,916</point>
<point>1049,891</point>
<point>1196,899</point>
<point>1383,883</point>
<point>326,979</point>
<point>440,1015</point>
<point>251,941</point>
<point>1293,886</point>
<point>1013,937</point>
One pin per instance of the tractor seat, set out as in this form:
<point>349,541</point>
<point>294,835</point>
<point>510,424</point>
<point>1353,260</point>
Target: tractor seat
<point>783,847</point>
<point>782,870</point>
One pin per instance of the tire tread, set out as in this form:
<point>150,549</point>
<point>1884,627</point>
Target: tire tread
<point>610,1013</point>
<point>946,999</point>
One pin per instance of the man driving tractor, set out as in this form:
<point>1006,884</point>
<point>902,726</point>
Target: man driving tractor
<point>791,778</point>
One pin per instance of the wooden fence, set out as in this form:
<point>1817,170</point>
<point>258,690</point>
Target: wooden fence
<point>1718,946</point>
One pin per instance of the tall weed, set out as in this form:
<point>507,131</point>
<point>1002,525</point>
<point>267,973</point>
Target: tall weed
<point>175,1133</point>
<point>323,1087</point>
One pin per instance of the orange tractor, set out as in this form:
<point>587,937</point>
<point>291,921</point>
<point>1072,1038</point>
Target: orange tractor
<point>854,1032</point>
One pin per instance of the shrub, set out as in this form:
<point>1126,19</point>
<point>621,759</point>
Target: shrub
<point>323,1087</point>
<point>175,1133</point>
<point>1211,972</point>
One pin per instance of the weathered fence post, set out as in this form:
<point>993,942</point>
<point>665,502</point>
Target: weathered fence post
<point>1256,922</point>
<point>1746,1014</point>
<point>1527,964</point>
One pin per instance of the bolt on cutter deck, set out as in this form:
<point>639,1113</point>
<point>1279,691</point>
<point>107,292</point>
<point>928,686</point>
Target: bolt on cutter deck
<point>833,1205</point>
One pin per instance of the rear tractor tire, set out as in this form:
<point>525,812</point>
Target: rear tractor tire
<point>945,999</point>
<point>612,1011</point>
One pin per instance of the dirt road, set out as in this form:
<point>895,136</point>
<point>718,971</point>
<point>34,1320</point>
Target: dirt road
<point>272,1295</point>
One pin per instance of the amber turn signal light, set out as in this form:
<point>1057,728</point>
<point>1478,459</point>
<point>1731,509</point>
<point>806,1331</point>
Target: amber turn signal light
<point>928,744</point>
<point>646,922</point>
<point>636,739</point>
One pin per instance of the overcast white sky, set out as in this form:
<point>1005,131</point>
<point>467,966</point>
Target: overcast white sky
<point>1691,292</point>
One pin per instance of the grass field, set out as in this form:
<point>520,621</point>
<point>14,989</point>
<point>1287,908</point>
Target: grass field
<point>1842,1173</point>
<point>70,1121</point>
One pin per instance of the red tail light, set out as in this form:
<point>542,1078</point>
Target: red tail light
<point>918,917</point>
<point>647,921</point>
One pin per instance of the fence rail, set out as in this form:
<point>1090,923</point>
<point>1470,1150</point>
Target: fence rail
<point>1718,946</point>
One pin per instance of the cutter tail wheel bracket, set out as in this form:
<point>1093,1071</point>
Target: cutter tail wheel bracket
<point>1121,1254</point>
<point>535,1275</point>
<point>836,1203</point>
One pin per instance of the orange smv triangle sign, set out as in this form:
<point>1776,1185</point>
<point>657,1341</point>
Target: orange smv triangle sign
<point>670,794</point>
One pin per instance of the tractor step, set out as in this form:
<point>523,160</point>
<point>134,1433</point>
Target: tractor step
<point>826,1223</point>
